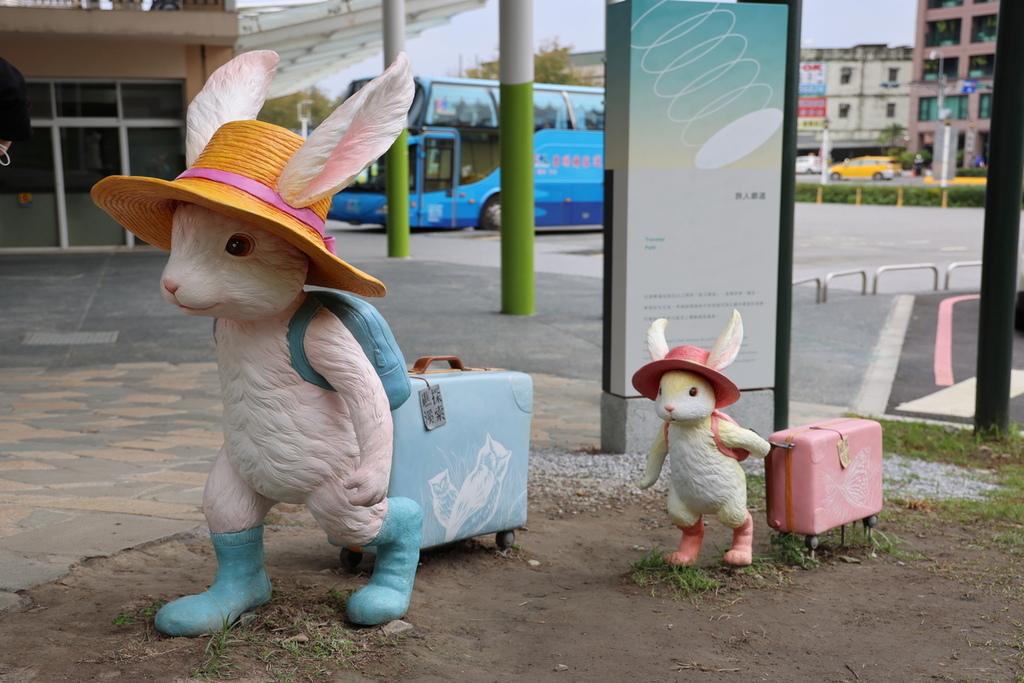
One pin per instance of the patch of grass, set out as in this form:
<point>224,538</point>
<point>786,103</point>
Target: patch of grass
<point>141,614</point>
<point>952,445</point>
<point>1002,454</point>
<point>218,663</point>
<point>652,570</point>
<point>789,551</point>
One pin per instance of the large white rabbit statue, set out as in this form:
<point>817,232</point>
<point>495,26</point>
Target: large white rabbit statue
<point>704,444</point>
<point>245,229</point>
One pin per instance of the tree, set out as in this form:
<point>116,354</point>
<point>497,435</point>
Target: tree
<point>283,111</point>
<point>893,135</point>
<point>551,64</point>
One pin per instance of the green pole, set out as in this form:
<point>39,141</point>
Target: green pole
<point>999,252</point>
<point>787,195</point>
<point>396,181</point>
<point>397,184</point>
<point>516,132</point>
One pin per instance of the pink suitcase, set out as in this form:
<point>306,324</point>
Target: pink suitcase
<point>824,475</point>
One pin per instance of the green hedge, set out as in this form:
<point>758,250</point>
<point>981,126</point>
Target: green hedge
<point>967,196</point>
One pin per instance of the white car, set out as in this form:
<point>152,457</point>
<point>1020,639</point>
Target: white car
<point>808,164</point>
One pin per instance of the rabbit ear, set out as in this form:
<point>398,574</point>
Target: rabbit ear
<point>234,92</point>
<point>727,346</point>
<point>656,344</point>
<point>351,138</point>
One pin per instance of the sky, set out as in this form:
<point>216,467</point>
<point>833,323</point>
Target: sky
<point>472,36</point>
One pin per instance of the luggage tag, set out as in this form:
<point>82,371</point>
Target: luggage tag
<point>432,407</point>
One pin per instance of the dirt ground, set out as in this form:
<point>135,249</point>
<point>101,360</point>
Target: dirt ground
<point>560,605</point>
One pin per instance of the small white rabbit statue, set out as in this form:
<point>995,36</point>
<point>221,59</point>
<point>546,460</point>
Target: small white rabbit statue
<point>705,445</point>
<point>245,229</point>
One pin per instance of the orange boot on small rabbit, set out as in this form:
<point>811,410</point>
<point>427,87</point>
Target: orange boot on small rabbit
<point>741,554</point>
<point>689,546</point>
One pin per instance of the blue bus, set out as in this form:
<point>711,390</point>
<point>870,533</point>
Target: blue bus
<point>454,174</point>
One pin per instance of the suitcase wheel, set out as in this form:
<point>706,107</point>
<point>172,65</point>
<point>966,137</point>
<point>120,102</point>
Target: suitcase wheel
<point>871,521</point>
<point>505,539</point>
<point>811,542</point>
<point>350,558</point>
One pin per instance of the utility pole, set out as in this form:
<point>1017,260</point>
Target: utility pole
<point>397,158</point>
<point>515,40</point>
<point>1002,226</point>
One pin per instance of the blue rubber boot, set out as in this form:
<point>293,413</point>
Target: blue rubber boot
<point>241,585</point>
<point>386,596</point>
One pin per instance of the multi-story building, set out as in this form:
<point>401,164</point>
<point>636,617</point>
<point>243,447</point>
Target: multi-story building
<point>954,61</point>
<point>860,93</point>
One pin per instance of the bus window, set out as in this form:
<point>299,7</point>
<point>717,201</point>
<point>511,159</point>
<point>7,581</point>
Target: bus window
<point>549,110</point>
<point>481,155</point>
<point>438,155</point>
<point>588,109</point>
<point>461,106</point>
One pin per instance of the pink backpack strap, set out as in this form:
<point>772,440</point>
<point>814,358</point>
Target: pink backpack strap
<point>740,454</point>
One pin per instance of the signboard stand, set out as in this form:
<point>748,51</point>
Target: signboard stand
<point>695,94</point>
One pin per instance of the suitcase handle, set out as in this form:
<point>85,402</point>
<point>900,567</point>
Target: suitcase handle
<point>421,364</point>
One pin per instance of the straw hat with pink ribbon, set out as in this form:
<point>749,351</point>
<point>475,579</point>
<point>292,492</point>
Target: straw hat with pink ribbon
<point>264,174</point>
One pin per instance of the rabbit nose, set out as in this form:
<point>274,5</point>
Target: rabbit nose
<point>669,409</point>
<point>171,286</point>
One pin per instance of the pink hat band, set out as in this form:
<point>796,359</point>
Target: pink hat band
<point>688,359</point>
<point>265,194</point>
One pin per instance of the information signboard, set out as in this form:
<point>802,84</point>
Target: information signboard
<point>695,96</point>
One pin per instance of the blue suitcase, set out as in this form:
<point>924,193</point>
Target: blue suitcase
<point>463,456</point>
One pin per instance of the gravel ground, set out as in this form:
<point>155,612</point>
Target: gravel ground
<point>607,479</point>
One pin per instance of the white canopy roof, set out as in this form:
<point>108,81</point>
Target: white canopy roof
<point>318,40</point>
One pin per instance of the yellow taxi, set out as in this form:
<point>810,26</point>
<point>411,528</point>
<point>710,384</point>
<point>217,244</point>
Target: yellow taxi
<point>876,168</point>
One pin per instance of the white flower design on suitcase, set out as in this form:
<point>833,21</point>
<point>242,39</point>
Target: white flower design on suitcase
<point>473,504</point>
<point>848,490</point>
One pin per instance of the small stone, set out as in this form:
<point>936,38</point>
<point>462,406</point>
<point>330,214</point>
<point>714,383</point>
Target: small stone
<point>393,628</point>
<point>848,559</point>
<point>300,638</point>
<point>561,667</point>
<point>533,563</point>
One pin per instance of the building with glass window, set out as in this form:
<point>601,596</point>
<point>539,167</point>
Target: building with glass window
<point>860,93</point>
<point>108,89</point>
<point>110,81</point>
<point>954,61</point>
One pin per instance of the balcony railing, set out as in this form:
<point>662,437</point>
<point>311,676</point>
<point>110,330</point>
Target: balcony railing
<point>217,5</point>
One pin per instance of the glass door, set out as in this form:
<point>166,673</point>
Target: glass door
<point>88,155</point>
<point>28,194</point>
<point>438,182</point>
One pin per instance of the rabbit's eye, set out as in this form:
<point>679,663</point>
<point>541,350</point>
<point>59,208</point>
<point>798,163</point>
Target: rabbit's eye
<point>693,391</point>
<point>239,245</point>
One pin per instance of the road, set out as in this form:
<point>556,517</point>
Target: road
<point>934,364</point>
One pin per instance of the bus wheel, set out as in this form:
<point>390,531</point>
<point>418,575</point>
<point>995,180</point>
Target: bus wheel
<point>490,215</point>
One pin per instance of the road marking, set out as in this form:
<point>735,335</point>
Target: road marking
<point>873,397</point>
<point>958,400</point>
<point>943,364</point>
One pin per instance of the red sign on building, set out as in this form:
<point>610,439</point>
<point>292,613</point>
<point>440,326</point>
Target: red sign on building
<point>811,107</point>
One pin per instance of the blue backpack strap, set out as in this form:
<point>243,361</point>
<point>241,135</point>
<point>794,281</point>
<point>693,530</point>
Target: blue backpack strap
<point>296,347</point>
<point>369,329</point>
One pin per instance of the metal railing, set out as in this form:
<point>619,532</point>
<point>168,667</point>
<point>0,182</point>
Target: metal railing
<point>822,284</point>
<point>907,266</point>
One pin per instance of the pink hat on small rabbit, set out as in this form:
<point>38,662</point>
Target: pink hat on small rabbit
<point>693,359</point>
